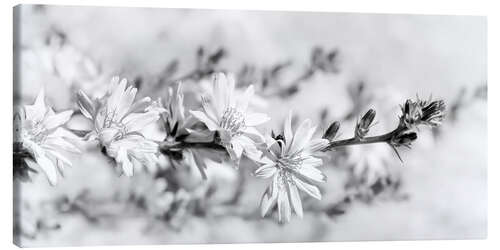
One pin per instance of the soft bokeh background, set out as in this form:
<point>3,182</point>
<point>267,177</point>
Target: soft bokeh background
<point>396,56</point>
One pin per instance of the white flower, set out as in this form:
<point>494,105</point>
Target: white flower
<point>290,161</point>
<point>133,150</point>
<point>257,101</point>
<point>39,132</point>
<point>229,116</point>
<point>117,125</point>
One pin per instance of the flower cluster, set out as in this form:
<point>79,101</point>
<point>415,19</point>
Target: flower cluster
<point>224,127</point>
<point>39,140</point>
<point>117,121</point>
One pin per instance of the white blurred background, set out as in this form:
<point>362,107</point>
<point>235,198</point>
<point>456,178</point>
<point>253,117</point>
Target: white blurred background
<point>396,56</point>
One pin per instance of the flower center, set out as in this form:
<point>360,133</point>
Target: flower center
<point>110,122</point>
<point>35,132</point>
<point>285,177</point>
<point>292,162</point>
<point>109,118</point>
<point>233,121</point>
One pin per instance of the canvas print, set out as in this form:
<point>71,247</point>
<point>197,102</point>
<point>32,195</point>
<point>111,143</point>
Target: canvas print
<point>168,126</point>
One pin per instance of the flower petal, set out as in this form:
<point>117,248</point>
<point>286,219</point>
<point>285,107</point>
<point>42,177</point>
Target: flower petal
<point>288,130</point>
<point>284,210</point>
<point>275,148</point>
<point>302,136</point>
<point>220,92</point>
<point>37,111</point>
<point>66,134</point>
<point>211,125</point>
<point>85,104</point>
<point>269,197</point>
<point>48,168</point>
<point>60,143</point>
<point>33,148</point>
<point>266,170</point>
<point>143,104</point>
<point>124,162</point>
<point>113,102</point>
<point>113,84</point>
<point>126,101</point>
<point>253,134</point>
<point>59,157</point>
<point>237,147</point>
<point>209,108</point>
<point>293,195</point>
<point>137,121</point>
<point>316,145</point>
<point>256,119</point>
<point>312,173</point>
<point>249,147</point>
<point>178,102</point>
<point>231,97</point>
<point>40,99</point>
<point>308,188</point>
<point>57,120</point>
<point>245,99</point>
<point>313,162</point>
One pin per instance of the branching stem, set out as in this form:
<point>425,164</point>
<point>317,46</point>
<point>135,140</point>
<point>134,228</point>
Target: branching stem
<point>293,86</point>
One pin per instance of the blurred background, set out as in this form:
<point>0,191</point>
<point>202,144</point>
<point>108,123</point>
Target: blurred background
<point>323,66</point>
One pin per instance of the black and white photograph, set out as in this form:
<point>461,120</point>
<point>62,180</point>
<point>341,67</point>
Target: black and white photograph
<point>155,126</point>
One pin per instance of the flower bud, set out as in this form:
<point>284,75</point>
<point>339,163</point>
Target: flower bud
<point>332,130</point>
<point>433,113</point>
<point>419,112</point>
<point>411,114</point>
<point>404,139</point>
<point>363,125</point>
<point>85,104</point>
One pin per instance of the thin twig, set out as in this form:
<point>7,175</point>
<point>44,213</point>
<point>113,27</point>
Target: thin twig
<point>366,140</point>
<point>168,146</point>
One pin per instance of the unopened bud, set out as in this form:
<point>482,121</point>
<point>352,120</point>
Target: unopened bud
<point>364,124</point>
<point>332,130</point>
<point>411,113</point>
<point>404,139</point>
<point>85,104</point>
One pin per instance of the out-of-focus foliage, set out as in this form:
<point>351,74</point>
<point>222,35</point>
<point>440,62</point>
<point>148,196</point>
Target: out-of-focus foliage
<point>194,188</point>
